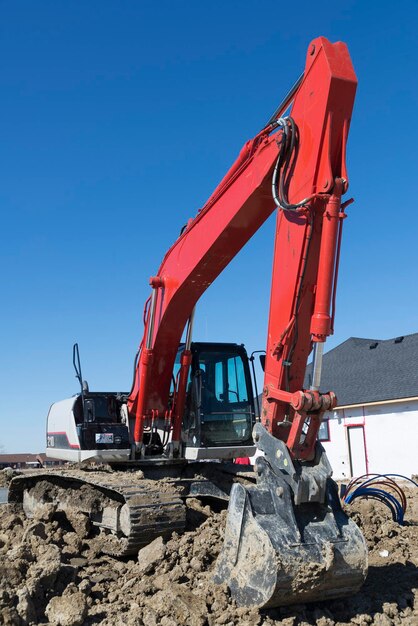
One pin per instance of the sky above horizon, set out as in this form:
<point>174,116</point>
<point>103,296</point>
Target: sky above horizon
<point>119,119</point>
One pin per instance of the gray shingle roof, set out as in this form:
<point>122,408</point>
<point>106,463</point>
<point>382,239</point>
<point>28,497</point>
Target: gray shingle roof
<point>359,373</point>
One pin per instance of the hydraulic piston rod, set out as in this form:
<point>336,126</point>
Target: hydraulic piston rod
<point>317,365</point>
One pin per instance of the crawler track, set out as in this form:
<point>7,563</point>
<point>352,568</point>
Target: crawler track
<point>128,512</point>
<point>126,509</point>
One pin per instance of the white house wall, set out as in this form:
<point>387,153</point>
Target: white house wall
<point>336,448</point>
<point>394,436</point>
<point>390,438</point>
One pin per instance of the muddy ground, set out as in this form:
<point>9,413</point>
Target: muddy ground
<point>49,574</point>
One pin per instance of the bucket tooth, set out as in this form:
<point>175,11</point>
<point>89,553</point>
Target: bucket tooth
<point>277,552</point>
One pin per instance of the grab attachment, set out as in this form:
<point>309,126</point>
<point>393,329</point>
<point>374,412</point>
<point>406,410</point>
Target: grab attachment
<point>287,539</point>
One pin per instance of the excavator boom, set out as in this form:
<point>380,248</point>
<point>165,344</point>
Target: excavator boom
<point>320,114</point>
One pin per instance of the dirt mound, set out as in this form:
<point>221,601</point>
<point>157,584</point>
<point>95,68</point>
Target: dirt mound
<point>52,573</point>
<point>6,476</point>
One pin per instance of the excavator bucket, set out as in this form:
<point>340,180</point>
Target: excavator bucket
<point>287,539</point>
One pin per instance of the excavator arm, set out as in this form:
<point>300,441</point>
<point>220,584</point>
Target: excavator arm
<point>296,163</point>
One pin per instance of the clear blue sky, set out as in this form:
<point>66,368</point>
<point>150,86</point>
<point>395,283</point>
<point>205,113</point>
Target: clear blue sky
<point>118,120</point>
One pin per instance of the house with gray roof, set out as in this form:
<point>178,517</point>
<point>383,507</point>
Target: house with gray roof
<point>374,428</point>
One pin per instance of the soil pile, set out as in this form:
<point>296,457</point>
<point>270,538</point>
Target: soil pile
<point>6,476</point>
<point>53,573</point>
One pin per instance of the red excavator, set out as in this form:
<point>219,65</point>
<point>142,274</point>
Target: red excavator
<point>286,538</point>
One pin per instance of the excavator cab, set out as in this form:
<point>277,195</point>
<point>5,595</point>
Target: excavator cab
<point>219,413</point>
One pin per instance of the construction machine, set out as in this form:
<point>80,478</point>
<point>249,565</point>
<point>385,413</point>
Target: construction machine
<point>287,539</point>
